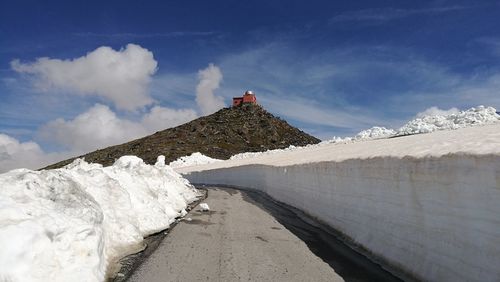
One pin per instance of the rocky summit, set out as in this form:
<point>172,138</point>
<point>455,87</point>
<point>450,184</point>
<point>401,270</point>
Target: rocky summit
<point>229,131</point>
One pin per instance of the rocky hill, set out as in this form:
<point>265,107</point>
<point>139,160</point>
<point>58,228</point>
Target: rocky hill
<point>225,133</point>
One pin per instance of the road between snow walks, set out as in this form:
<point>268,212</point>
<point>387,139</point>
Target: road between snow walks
<point>240,239</point>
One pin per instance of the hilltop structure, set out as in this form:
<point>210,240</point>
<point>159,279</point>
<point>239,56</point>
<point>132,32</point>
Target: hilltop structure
<point>220,135</point>
<point>248,98</point>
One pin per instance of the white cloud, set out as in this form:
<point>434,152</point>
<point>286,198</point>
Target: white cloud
<point>100,127</point>
<point>16,154</point>
<point>432,111</point>
<point>209,80</point>
<point>120,76</point>
<point>160,118</point>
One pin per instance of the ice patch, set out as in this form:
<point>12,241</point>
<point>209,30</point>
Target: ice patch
<point>204,207</point>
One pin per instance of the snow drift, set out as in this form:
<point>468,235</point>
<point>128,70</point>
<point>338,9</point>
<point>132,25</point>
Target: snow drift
<point>193,159</point>
<point>474,116</point>
<point>480,115</point>
<point>76,221</point>
<point>427,204</point>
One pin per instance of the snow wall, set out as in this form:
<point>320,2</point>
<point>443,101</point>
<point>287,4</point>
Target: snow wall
<point>436,218</point>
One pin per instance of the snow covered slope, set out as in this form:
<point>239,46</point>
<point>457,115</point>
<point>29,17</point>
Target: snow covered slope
<point>428,204</point>
<point>72,223</point>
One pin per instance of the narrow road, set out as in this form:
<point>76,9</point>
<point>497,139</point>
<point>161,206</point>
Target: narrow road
<point>236,241</point>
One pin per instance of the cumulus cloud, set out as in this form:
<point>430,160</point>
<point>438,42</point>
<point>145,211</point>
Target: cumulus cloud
<point>432,111</point>
<point>121,76</point>
<point>209,80</point>
<point>161,118</point>
<point>96,128</point>
<point>100,127</point>
<point>16,154</point>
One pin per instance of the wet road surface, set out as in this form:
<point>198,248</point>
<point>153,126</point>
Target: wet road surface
<point>236,241</point>
<point>247,236</point>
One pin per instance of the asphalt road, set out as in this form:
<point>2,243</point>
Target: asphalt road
<point>236,241</point>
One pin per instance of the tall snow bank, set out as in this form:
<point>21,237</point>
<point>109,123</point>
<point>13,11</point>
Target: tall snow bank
<point>193,159</point>
<point>59,224</point>
<point>433,217</point>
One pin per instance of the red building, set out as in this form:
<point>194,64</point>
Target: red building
<point>248,98</point>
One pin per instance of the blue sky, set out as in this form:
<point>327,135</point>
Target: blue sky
<point>328,67</point>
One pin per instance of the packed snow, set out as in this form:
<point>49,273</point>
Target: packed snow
<point>76,221</point>
<point>193,159</point>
